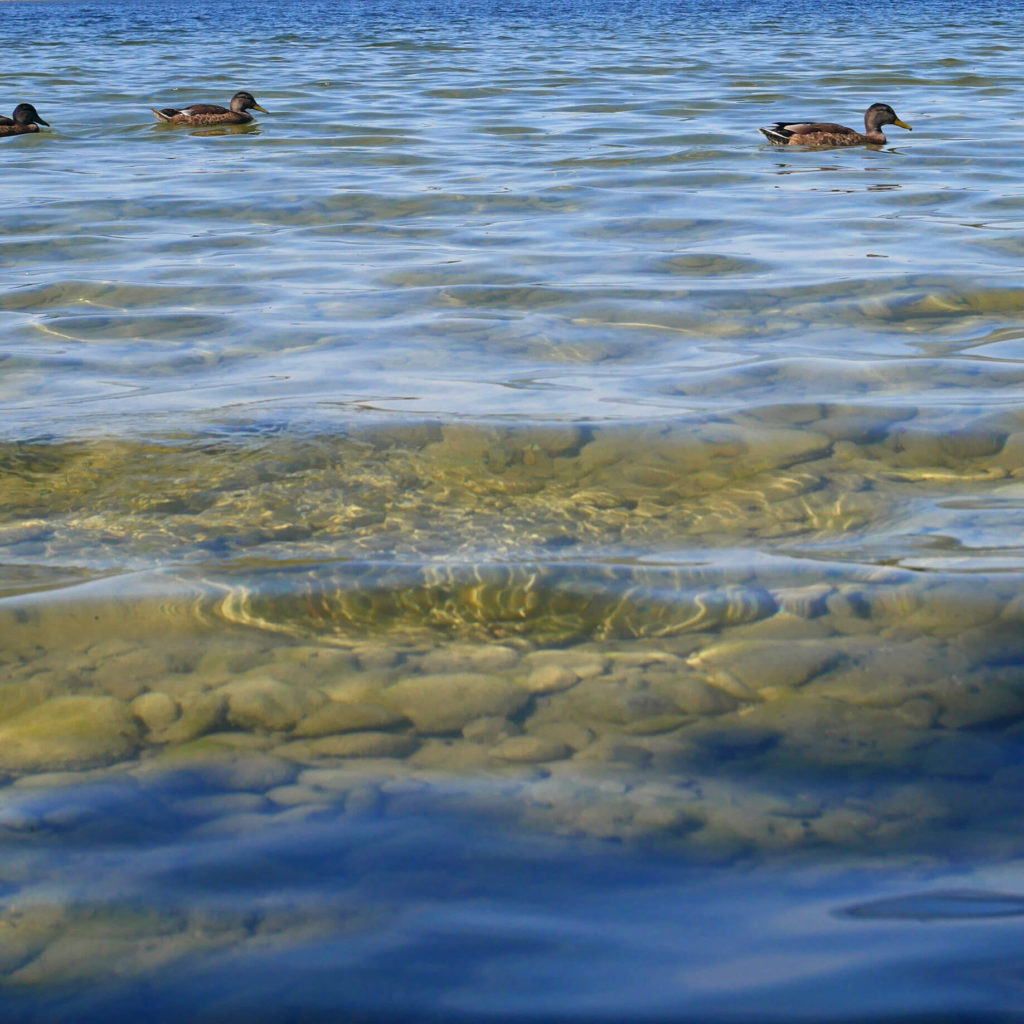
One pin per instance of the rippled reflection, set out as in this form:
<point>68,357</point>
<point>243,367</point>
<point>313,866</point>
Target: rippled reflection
<point>495,539</point>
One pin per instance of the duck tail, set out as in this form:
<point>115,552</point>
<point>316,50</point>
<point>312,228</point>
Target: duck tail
<point>164,115</point>
<point>777,134</point>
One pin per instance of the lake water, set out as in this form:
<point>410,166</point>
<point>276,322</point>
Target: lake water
<point>494,539</point>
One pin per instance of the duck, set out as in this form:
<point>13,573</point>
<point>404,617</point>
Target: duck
<point>820,133</point>
<point>211,113</point>
<point>25,119</point>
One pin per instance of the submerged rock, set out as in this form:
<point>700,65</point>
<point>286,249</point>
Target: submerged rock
<point>446,703</point>
<point>68,732</point>
<point>364,744</point>
<point>607,701</point>
<point>528,749</point>
<point>742,668</point>
<point>550,678</point>
<point>695,697</point>
<point>265,703</point>
<point>201,713</point>
<point>156,711</point>
<point>337,717</point>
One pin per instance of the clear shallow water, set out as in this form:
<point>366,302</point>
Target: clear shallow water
<point>493,538</point>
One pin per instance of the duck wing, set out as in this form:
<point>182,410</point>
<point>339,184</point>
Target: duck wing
<point>783,131</point>
<point>819,128</point>
<point>204,108</point>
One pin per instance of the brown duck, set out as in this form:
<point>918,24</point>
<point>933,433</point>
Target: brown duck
<point>210,113</point>
<point>24,120</point>
<point>819,133</point>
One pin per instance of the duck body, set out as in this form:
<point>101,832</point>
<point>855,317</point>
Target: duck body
<point>23,121</point>
<point>210,113</point>
<point>825,133</point>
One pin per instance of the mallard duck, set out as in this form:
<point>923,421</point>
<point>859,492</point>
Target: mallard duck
<point>210,113</point>
<point>818,133</point>
<point>24,120</point>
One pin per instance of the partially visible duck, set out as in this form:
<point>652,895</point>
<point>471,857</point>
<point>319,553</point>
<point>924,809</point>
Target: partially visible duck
<point>25,119</point>
<point>820,133</point>
<point>211,113</point>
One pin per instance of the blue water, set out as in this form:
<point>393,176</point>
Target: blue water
<point>494,539</point>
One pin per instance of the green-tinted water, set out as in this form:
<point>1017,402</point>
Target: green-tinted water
<point>494,500</point>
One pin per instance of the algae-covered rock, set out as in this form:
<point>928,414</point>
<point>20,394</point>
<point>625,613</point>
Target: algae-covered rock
<point>18,696</point>
<point>608,700</point>
<point>1011,456</point>
<point>918,712</point>
<point>364,744</point>
<point>948,609</point>
<point>266,703</point>
<point>655,725</point>
<point>297,795</point>
<point>446,703</point>
<point>682,459</point>
<point>201,713</point>
<point>814,732</point>
<point>754,818</point>
<point>986,700</point>
<point>94,943</point>
<point>571,734</point>
<point>221,764</point>
<point>744,667</point>
<point>490,730</point>
<point>529,749</point>
<point>695,697</point>
<point>805,602</point>
<point>582,663</point>
<point>919,446</point>
<point>25,931</point>
<point>219,805</point>
<point>337,717</point>
<point>68,732</point>
<point>376,655</point>
<point>337,780</point>
<point>861,426</point>
<point>455,757</point>
<point>881,674</point>
<point>468,658</point>
<point>155,710</point>
<point>848,827</point>
<point>550,679</point>
<point>611,751</point>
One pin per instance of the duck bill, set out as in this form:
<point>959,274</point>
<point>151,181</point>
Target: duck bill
<point>903,124</point>
<point>39,120</point>
<point>262,110</point>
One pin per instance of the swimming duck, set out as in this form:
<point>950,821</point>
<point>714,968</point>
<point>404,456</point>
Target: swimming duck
<point>24,120</point>
<point>210,113</point>
<point>817,133</point>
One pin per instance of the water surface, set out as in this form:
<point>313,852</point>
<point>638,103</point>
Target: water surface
<point>494,538</point>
